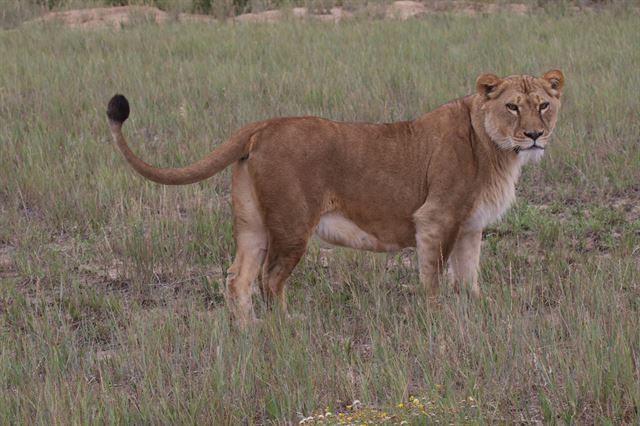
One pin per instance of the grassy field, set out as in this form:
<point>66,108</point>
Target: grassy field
<point>110,301</point>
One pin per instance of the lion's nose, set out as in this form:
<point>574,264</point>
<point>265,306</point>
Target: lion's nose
<point>534,135</point>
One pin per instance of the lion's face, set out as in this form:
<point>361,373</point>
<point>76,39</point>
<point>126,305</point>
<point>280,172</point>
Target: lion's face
<point>520,112</point>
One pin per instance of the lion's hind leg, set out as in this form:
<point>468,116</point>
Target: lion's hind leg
<point>250,236</point>
<point>282,257</point>
<point>241,276</point>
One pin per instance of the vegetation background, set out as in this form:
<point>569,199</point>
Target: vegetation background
<point>110,301</point>
<point>13,12</point>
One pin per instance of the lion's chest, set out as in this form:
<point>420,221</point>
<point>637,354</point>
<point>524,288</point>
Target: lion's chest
<point>493,202</point>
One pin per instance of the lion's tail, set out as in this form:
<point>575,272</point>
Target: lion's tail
<point>229,151</point>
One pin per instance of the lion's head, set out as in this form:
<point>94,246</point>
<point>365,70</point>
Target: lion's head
<point>520,112</point>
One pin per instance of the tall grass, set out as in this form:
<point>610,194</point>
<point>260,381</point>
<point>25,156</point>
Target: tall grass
<point>110,309</point>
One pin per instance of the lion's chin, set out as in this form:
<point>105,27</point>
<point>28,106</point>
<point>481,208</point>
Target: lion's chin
<point>530,155</point>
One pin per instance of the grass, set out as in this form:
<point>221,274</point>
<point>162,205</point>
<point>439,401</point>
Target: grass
<point>110,303</point>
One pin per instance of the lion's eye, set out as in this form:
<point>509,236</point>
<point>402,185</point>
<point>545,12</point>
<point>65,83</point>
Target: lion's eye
<point>512,107</point>
<point>544,106</point>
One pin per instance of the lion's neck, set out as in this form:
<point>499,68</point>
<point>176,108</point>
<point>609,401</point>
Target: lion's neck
<point>499,172</point>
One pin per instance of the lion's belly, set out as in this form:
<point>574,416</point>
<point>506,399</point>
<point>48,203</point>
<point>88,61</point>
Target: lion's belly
<point>335,228</point>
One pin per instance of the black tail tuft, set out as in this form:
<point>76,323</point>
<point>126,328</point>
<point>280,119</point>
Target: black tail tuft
<point>118,109</point>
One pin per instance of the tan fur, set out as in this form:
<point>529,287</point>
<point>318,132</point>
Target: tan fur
<point>433,183</point>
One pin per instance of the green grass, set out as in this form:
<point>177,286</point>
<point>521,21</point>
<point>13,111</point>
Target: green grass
<point>110,302</point>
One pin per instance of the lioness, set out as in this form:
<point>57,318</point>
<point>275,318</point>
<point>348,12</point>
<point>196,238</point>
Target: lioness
<point>433,183</point>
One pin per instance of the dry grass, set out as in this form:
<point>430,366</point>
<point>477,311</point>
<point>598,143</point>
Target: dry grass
<point>110,307</point>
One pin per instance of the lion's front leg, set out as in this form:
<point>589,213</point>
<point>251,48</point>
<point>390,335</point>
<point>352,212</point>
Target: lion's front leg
<point>465,260</point>
<point>436,233</point>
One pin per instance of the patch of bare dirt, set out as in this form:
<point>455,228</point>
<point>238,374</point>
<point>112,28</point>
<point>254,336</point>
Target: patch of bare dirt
<point>115,273</point>
<point>7,264</point>
<point>629,205</point>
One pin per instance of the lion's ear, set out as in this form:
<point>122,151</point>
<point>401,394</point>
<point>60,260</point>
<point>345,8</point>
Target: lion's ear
<point>555,79</point>
<point>486,84</point>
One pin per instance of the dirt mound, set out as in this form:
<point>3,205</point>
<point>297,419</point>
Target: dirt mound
<point>406,9</point>
<point>114,17</point>
<point>334,14</point>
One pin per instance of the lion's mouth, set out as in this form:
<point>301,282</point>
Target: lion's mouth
<point>529,148</point>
